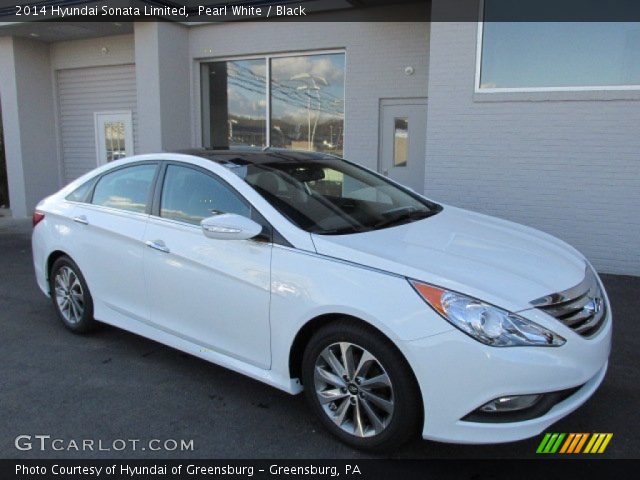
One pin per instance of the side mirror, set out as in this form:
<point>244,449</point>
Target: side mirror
<point>229,226</point>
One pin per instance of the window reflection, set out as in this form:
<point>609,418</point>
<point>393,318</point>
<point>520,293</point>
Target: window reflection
<point>522,54</point>
<point>400,142</point>
<point>333,197</point>
<point>191,196</point>
<point>234,103</point>
<point>307,102</point>
<point>126,188</point>
<point>114,141</point>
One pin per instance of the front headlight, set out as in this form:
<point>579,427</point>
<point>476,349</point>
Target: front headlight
<point>486,323</point>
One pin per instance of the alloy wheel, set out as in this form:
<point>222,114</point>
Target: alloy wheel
<point>354,389</point>
<point>69,295</point>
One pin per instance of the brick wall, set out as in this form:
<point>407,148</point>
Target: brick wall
<point>565,163</point>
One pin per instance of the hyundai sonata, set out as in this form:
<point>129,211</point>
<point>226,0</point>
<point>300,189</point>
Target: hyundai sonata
<point>394,314</point>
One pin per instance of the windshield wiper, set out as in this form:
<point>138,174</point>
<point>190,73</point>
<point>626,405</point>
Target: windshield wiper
<point>396,217</point>
<point>339,231</point>
<point>405,217</point>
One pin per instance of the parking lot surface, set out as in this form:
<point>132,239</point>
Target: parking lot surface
<point>113,385</point>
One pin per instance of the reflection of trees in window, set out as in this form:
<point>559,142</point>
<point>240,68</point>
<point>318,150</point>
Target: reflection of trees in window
<point>306,95</point>
<point>114,140</point>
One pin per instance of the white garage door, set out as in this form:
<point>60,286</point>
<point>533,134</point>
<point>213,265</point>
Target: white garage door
<point>83,93</point>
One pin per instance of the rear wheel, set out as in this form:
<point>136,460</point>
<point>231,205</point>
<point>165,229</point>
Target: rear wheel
<point>361,387</point>
<point>70,295</point>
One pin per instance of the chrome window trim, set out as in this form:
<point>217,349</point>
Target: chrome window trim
<point>115,211</point>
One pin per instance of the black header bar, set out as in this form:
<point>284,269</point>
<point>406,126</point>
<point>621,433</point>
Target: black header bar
<point>316,469</point>
<point>199,11</point>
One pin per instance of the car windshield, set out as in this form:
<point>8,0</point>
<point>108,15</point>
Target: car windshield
<point>330,196</point>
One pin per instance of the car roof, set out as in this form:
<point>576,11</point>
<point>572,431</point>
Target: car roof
<point>247,155</point>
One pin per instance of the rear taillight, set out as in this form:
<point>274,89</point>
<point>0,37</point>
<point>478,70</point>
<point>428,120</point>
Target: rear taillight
<point>37,217</point>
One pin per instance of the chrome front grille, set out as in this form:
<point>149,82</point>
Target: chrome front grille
<point>581,308</point>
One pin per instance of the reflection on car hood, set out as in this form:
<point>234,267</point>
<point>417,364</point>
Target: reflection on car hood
<point>492,259</point>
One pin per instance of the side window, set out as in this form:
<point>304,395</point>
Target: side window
<point>126,189</point>
<point>80,193</point>
<point>191,196</point>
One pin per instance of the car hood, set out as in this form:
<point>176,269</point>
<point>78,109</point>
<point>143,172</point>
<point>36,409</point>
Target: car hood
<point>497,261</point>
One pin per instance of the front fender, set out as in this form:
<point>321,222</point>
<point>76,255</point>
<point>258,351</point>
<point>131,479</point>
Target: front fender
<point>305,286</point>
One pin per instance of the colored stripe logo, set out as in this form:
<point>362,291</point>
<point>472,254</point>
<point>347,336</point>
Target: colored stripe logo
<point>574,443</point>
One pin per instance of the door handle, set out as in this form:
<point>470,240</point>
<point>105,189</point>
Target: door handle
<point>81,219</point>
<point>157,245</point>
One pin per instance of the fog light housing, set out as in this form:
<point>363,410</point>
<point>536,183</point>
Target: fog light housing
<point>511,403</point>
<point>518,408</point>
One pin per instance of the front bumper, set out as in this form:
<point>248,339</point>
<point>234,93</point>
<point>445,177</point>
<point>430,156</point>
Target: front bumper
<point>458,374</point>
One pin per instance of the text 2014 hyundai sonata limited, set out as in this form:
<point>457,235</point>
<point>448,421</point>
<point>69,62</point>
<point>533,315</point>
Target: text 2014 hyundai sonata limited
<point>396,315</point>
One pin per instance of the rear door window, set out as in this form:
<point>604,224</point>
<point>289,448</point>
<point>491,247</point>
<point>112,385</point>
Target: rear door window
<point>81,193</point>
<point>127,188</point>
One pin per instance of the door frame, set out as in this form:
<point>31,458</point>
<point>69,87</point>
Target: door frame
<point>391,102</point>
<point>128,132</point>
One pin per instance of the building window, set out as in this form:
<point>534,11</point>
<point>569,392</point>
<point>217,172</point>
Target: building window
<point>292,101</point>
<point>400,141</point>
<point>539,56</point>
<point>307,102</point>
<point>234,104</point>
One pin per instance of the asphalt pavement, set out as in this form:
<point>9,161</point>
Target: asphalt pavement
<point>113,385</point>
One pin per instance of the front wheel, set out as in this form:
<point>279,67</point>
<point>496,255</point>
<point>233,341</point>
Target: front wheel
<point>361,387</point>
<point>70,295</point>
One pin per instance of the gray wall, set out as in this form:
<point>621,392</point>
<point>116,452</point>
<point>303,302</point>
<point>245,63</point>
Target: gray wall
<point>92,75</point>
<point>35,121</point>
<point>566,163</point>
<point>376,55</point>
<point>163,79</point>
<point>26,90</point>
<point>81,93</point>
<point>93,52</point>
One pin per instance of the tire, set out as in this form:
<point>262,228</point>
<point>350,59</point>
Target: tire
<point>390,412</point>
<point>71,296</point>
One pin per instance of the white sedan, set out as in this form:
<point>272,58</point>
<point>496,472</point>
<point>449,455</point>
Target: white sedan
<point>395,314</point>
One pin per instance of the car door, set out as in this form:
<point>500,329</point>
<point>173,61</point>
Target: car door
<point>214,293</point>
<point>110,229</point>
